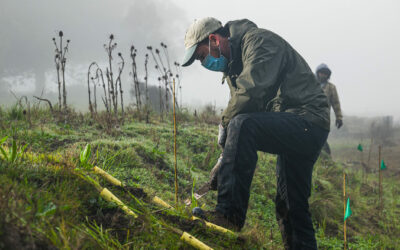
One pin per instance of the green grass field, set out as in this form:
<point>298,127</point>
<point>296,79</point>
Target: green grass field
<point>45,203</point>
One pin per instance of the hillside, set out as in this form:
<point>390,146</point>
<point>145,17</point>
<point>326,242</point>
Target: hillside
<point>46,203</point>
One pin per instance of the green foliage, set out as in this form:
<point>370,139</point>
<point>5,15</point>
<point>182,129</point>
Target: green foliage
<point>14,152</point>
<point>47,197</point>
<point>85,156</point>
<point>15,112</point>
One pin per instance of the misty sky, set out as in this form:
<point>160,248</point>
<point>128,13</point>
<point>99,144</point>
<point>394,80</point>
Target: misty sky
<point>359,40</point>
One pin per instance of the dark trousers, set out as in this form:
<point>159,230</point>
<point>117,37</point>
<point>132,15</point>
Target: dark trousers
<point>298,144</point>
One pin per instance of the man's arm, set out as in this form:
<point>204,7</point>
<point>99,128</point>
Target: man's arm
<point>263,57</point>
<point>336,103</point>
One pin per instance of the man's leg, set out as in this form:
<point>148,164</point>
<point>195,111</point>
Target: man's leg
<point>275,133</point>
<point>294,174</point>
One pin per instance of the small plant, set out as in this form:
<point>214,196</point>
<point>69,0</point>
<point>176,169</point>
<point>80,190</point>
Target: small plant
<point>85,156</point>
<point>13,153</point>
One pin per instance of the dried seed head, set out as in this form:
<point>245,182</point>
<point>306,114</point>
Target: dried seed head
<point>149,47</point>
<point>54,38</point>
<point>68,41</point>
<point>170,74</point>
<point>147,55</point>
<point>60,33</point>
<point>111,37</point>
<point>119,54</point>
<point>177,76</point>
<point>156,66</point>
<point>132,48</point>
<point>159,78</point>
<point>162,44</point>
<point>157,51</point>
<point>145,78</point>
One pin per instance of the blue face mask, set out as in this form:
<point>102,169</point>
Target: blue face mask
<point>215,64</point>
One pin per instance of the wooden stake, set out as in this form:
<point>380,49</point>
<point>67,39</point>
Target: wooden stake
<point>344,210</point>
<point>175,164</point>
<point>380,179</point>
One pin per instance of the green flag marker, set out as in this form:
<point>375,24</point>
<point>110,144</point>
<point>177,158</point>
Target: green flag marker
<point>383,165</point>
<point>348,210</point>
<point>360,147</point>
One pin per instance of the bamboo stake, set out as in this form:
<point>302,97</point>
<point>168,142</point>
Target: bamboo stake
<point>108,177</point>
<point>363,168</point>
<point>159,201</point>
<point>380,179</point>
<point>107,195</point>
<point>191,240</point>
<point>175,164</point>
<point>215,227</point>
<point>188,238</point>
<point>344,209</point>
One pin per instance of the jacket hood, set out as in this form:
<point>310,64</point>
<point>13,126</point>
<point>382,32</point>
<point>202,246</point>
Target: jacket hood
<point>323,66</point>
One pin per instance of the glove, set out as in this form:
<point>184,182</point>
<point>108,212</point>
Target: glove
<point>339,123</point>
<point>221,135</point>
<point>214,174</point>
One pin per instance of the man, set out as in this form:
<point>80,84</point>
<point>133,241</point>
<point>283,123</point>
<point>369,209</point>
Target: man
<point>264,73</point>
<point>323,74</point>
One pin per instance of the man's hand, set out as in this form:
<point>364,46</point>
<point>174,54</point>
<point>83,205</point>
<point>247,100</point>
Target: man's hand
<point>221,135</point>
<point>339,123</point>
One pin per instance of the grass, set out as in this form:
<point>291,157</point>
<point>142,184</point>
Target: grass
<point>43,203</point>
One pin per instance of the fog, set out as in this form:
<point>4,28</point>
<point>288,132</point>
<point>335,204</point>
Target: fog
<point>359,40</point>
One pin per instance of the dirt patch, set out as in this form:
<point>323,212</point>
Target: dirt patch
<point>14,237</point>
<point>55,144</point>
<point>183,224</point>
<point>115,219</point>
<point>137,192</point>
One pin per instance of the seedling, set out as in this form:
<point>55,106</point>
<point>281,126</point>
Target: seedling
<point>13,153</point>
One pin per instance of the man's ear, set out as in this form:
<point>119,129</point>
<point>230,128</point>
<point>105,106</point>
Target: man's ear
<point>214,39</point>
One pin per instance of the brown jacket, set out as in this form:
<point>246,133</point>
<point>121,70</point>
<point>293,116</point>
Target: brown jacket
<point>333,99</point>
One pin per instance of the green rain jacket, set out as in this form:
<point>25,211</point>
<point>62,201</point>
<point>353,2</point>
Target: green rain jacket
<point>266,74</point>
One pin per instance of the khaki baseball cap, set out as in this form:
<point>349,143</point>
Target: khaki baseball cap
<point>197,32</point>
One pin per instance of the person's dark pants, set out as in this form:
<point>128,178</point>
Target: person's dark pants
<point>297,143</point>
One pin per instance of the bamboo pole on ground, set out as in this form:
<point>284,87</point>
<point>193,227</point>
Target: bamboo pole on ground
<point>344,209</point>
<point>157,200</point>
<point>108,177</point>
<point>206,223</point>
<point>107,195</point>
<point>188,238</point>
<point>175,163</point>
<point>215,227</point>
